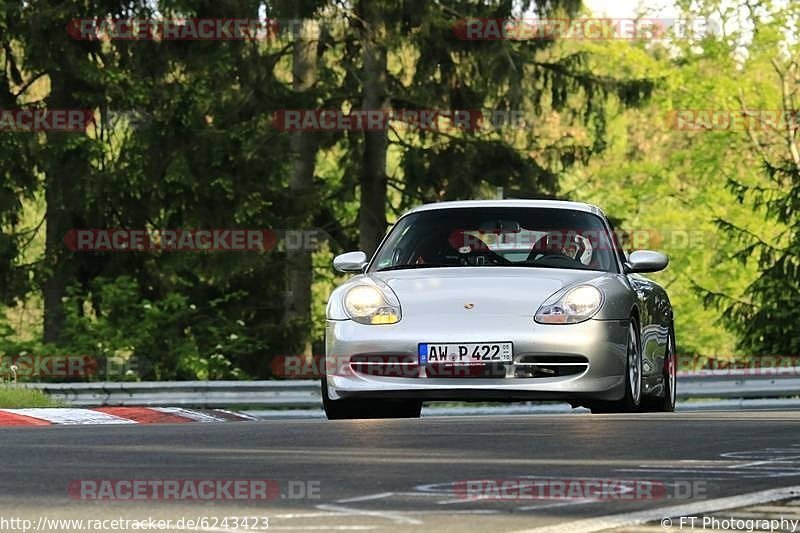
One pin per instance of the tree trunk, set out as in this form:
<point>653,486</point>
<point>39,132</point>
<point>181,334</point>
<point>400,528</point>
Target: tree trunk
<point>64,166</point>
<point>57,278</point>
<point>372,207</point>
<point>304,151</point>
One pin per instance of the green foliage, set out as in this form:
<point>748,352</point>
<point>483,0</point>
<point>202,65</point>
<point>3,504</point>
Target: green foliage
<point>539,77</point>
<point>168,338</point>
<point>673,182</point>
<point>20,398</point>
<point>766,318</point>
<point>184,141</point>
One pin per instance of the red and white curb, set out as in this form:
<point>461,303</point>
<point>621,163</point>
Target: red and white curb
<point>115,415</point>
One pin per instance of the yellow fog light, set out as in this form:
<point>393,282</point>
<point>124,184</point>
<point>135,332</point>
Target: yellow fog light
<point>388,317</point>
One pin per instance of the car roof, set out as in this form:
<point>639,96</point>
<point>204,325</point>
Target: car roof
<point>548,204</point>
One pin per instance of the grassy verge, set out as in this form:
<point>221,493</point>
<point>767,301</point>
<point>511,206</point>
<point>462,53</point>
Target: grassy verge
<point>18,397</point>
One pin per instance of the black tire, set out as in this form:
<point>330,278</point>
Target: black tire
<point>350,409</point>
<point>666,403</point>
<point>632,401</point>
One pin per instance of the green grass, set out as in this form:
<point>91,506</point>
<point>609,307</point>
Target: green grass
<point>18,397</point>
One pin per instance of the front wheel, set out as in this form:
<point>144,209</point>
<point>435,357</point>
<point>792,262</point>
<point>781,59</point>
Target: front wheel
<point>632,401</point>
<point>350,409</point>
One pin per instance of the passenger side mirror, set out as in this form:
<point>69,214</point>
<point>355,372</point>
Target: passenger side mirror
<point>350,262</point>
<point>642,261</point>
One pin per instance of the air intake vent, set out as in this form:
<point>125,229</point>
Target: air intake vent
<point>550,366</point>
<point>401,366</point>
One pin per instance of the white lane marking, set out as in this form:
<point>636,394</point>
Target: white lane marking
<point>636,518</point>
<point>763,453</point>
<point>763,463</point>
<point>70,416</point>
<point>288,528</point>
<point>321,528</point>
<point>436,488</point>
<point>763,472</point>
<point>448,489</point>
<point>767,461</point>
<point>237,414</point>
<point>394,517</point>
<point>219,530</point>
<point>470,499</point>
<point>558,504</point>
<point>712,468</point>
<point>356,527</point>
<point>289,516</point>
<point>197,416</point>
<point>577,501</point>
<point>368,497</point>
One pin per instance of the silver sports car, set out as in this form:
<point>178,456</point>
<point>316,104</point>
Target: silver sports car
<point>496,301</point>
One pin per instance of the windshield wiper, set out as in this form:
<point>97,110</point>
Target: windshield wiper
<point>587,269</point>
<point>413,265</point>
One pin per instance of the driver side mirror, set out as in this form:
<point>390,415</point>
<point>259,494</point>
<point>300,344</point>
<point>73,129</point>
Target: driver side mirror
<point>350,262</point>
<point>642,261</point>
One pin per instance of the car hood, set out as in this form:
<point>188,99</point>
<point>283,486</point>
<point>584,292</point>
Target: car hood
<point>491,290</point>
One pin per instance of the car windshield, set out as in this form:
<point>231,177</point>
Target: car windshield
<point>498,236</point>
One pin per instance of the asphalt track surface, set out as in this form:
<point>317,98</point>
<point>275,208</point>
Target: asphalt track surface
<point>400,475</point>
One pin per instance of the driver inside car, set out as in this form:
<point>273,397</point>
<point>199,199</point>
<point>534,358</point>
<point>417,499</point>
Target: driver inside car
<point>556,244</point>
<point>455,249</point>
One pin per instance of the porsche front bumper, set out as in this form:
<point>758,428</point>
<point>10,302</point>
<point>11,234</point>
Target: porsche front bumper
<point>550,362</point>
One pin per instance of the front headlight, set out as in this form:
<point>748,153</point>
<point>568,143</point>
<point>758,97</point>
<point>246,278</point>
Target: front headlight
<point>575,305</point>
<point>367,304</point>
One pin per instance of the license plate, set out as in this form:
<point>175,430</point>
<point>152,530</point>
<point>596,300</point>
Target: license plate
<point>466,353</point>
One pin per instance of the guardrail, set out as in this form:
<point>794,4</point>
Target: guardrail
<point>779,382</point>
<point>292,394</point>
<point>303,394</point>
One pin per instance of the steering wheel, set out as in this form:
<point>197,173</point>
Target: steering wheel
<point>494,257</point>
<point>557,258</point>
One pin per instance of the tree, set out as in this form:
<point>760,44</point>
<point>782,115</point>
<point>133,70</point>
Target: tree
<point>181,142</point>
<point>299,267</point>
<point>766,317</point>
<point>678,186</point>
<point>18,175</point>
<point>372,180</point>
<point>540,78</point>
